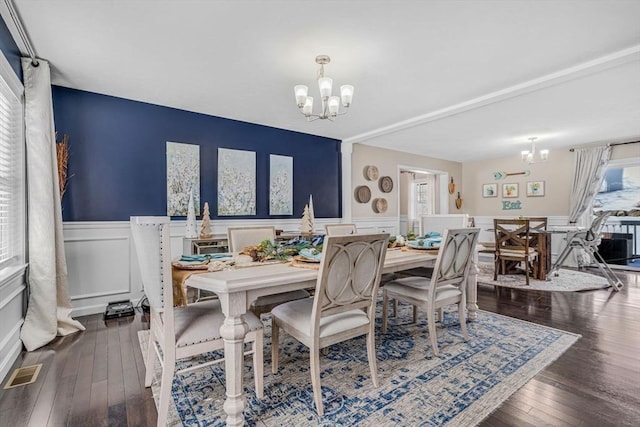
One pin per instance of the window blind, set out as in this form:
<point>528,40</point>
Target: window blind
<point>12,168</point>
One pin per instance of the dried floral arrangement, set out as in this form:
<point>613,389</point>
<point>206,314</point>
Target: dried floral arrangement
<point>62,156</point>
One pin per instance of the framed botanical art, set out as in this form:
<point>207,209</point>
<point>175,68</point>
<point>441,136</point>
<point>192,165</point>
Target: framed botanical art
<point>183,178</point>
<point>280,185</point>
<point>236,182</point>
<point>489,190</point>
<point>509,191</point>
<point>535,188</point>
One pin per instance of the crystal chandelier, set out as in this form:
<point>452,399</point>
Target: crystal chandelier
<point>529,156</point>
<point>330,104</point>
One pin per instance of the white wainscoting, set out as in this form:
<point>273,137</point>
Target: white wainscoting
<point>404,224</point>
<point>102,265</point>
<point>12,302</point>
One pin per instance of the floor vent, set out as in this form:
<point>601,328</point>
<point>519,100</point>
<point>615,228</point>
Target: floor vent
<point>23,376</point>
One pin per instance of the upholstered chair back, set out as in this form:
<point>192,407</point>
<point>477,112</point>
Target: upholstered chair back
<point>340,229</point>
<point>240,237</point>
<point>153,248</point>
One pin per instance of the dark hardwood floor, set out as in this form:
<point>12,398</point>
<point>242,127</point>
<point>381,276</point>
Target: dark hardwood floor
<point>96,378</point>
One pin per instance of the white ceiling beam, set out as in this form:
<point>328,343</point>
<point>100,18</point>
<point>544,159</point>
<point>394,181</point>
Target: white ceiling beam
<point>608,61</point>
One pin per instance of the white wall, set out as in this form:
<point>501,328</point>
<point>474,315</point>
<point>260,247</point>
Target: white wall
<point>388,163</point>
<point>555,172</point>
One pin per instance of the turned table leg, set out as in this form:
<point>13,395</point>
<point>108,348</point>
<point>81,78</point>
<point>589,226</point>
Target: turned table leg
<point>233,331</point>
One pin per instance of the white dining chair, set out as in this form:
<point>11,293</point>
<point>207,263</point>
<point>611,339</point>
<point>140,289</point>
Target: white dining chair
<point>239,238</point>
<point>340,229</point>
<point>446,286</point>
<point>180,332</point>
<point>344,304</point>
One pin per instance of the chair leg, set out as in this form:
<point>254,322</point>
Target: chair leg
<point>415,314</point>
<point>462,317</point>
<point>315,379</point>
<point>371,355</point>
<point>275,345</point>
<point>441,314</point>
<point>385,301</point>
<point>395,308</point>
<point>258,363</point>
<point>150,361</point>
<point>526,271</point>
<point>165,388</point>
<point>431,314</point>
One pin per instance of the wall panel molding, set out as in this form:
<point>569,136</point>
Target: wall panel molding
<point>12,302</point>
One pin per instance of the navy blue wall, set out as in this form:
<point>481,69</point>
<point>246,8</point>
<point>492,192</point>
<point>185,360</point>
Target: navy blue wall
<point>118,157</point>
<point>10,49</point>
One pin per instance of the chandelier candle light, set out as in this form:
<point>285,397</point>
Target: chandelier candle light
<point>330,104</point>
<point>528,156</point>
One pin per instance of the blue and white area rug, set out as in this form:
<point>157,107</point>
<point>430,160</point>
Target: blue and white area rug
<point>566,281</point>
<point>459,388</point>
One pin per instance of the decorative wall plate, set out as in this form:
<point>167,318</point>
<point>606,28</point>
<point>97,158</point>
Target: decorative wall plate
<point>363,194</point>
<point>371,173</point>
<point>380,205</point>
<point>386,184</point>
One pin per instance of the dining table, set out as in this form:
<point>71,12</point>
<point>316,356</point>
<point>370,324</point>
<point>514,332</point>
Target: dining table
<point>238,287</point>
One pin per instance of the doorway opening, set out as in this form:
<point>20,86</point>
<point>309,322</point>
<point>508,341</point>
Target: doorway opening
<point>422,192</point>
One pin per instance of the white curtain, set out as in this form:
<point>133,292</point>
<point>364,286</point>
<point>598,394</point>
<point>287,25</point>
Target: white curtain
<point>49,307</point>
<point>589,166</point>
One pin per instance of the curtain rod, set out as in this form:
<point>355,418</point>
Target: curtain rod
<point>21,32</point>
<point>612,144</point>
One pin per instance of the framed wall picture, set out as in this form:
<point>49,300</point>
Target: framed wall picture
<point>535,188</point>
<point>280,185</point>
<point>489,190</point>
<point>236,182</point>
<point>183,178</point>
<point>509,191</point>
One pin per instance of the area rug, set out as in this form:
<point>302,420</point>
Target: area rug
<point>459,388</point>
<point>566,281</point>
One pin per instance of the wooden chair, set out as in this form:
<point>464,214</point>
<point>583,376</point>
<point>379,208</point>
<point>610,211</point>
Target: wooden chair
<point>180,332</point>
<point>347,229</point>
<point>344,305</point>
<point>446,286</point>
<point>340,229</point>
<point>541,242</point>
<point>513,240</point>
<point>240,237</point>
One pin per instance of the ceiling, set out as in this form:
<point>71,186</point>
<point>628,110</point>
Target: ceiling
<point>457,80</point>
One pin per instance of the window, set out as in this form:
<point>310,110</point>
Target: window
<point>12,168</point>
<point>621,187</point>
